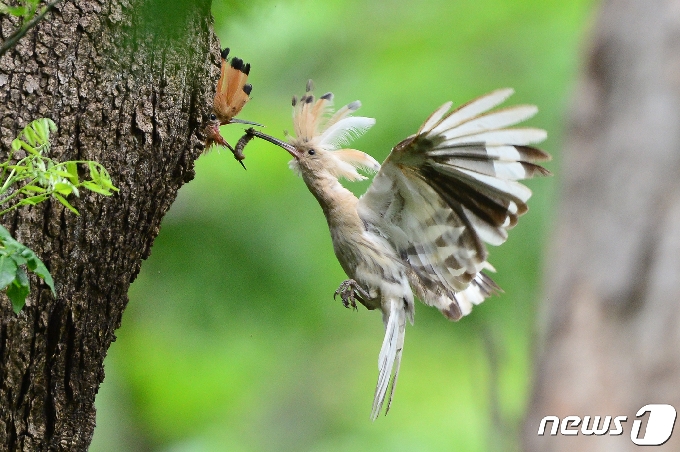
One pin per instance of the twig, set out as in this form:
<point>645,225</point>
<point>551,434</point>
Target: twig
<point>12,40</point>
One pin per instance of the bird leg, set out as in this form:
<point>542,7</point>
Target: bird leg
<point>349,292</point>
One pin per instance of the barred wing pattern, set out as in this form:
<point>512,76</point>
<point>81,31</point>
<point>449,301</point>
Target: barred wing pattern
<point>446,190</point>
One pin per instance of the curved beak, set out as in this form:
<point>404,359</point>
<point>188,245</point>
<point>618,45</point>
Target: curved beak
<point>282,144</point>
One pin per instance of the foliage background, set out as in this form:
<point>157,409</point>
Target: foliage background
<point>232,340</point>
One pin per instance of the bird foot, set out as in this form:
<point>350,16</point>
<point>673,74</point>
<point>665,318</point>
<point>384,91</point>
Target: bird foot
<point>350,291</point>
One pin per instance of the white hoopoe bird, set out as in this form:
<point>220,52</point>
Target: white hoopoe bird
<point>421,226</point>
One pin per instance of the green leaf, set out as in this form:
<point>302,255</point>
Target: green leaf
<point>4,234</point>
<point>34,264</point>
<point>94,172</point>
<point>13,246</point>
<point>41,130</point>
<point>72,169</point>
<point>18,290</point>
<point>42,271</point>
<point>22,144</point>
<point>18,11</point>
<point>27,254</point>
<point>104,179</point>
<point>30,135</point>
<point>33,200</point>
<point>65,203</point>
<point>63,188</point>
<point>107,182</point>
<point>34,188</point>
<point>43,126</point>
<point>8,271</point>
<point>22,277</point>
<point>17,257</point>
<point>107,185</point>
<point>96,188</point>
<point>60,172</point>
<point>20,254</point>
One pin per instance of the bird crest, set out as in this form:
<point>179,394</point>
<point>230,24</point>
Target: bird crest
<point>325,132</point>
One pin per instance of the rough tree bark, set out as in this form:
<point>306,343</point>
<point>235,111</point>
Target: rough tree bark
<point>129,84</point>
<point>612,338</point>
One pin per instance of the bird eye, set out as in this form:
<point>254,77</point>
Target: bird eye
<point>311,152</point>
<point>212,116</point>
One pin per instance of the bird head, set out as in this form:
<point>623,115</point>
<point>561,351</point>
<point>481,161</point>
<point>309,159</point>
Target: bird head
<point>317,147</point>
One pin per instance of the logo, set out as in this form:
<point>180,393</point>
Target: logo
<point>658,430</point>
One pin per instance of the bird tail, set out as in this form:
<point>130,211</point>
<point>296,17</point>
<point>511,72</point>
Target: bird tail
<point>389,359</point>
<point>232,90</point>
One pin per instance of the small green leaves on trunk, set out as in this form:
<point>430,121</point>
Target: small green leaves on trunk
<point>29,181</point>
<point>13,257</point>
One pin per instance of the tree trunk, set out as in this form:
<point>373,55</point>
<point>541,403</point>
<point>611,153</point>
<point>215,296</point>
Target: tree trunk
<point>129,83</point>
<point>611,343</point>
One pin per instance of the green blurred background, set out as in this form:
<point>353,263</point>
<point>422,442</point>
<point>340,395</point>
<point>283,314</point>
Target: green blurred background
<point>232,340</point>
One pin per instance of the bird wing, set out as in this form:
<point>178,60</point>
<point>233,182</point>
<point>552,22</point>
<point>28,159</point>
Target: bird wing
<point>449,189</point>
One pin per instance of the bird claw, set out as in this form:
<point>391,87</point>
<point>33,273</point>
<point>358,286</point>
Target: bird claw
<point>350,291</point>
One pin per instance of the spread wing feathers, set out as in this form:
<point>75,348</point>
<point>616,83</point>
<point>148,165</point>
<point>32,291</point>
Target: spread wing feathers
<point>389,359</point>
<point>444,253</point>
<point>232,90</point>
<point>435,117</point>
<point>444,192</point>
<point>439,121</point>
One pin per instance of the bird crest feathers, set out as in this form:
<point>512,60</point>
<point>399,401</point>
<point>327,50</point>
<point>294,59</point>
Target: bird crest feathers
<point>318,127</point>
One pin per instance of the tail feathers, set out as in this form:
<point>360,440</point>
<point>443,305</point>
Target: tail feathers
<point>453,304</point>
<point>232,91</point>
<point>479,290</point>
<point>389,359</point>
<point>397,364</point>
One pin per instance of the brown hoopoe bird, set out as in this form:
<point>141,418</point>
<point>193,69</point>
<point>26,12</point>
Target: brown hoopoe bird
<point>422,225</point>
<point>230,97</point>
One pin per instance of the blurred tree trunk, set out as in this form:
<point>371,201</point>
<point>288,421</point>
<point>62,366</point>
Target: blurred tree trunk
<point>129,84</point>
<point>612,331</point>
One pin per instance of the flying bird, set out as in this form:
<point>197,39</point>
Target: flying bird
<point>230,97</point>
<point>422,226</point>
